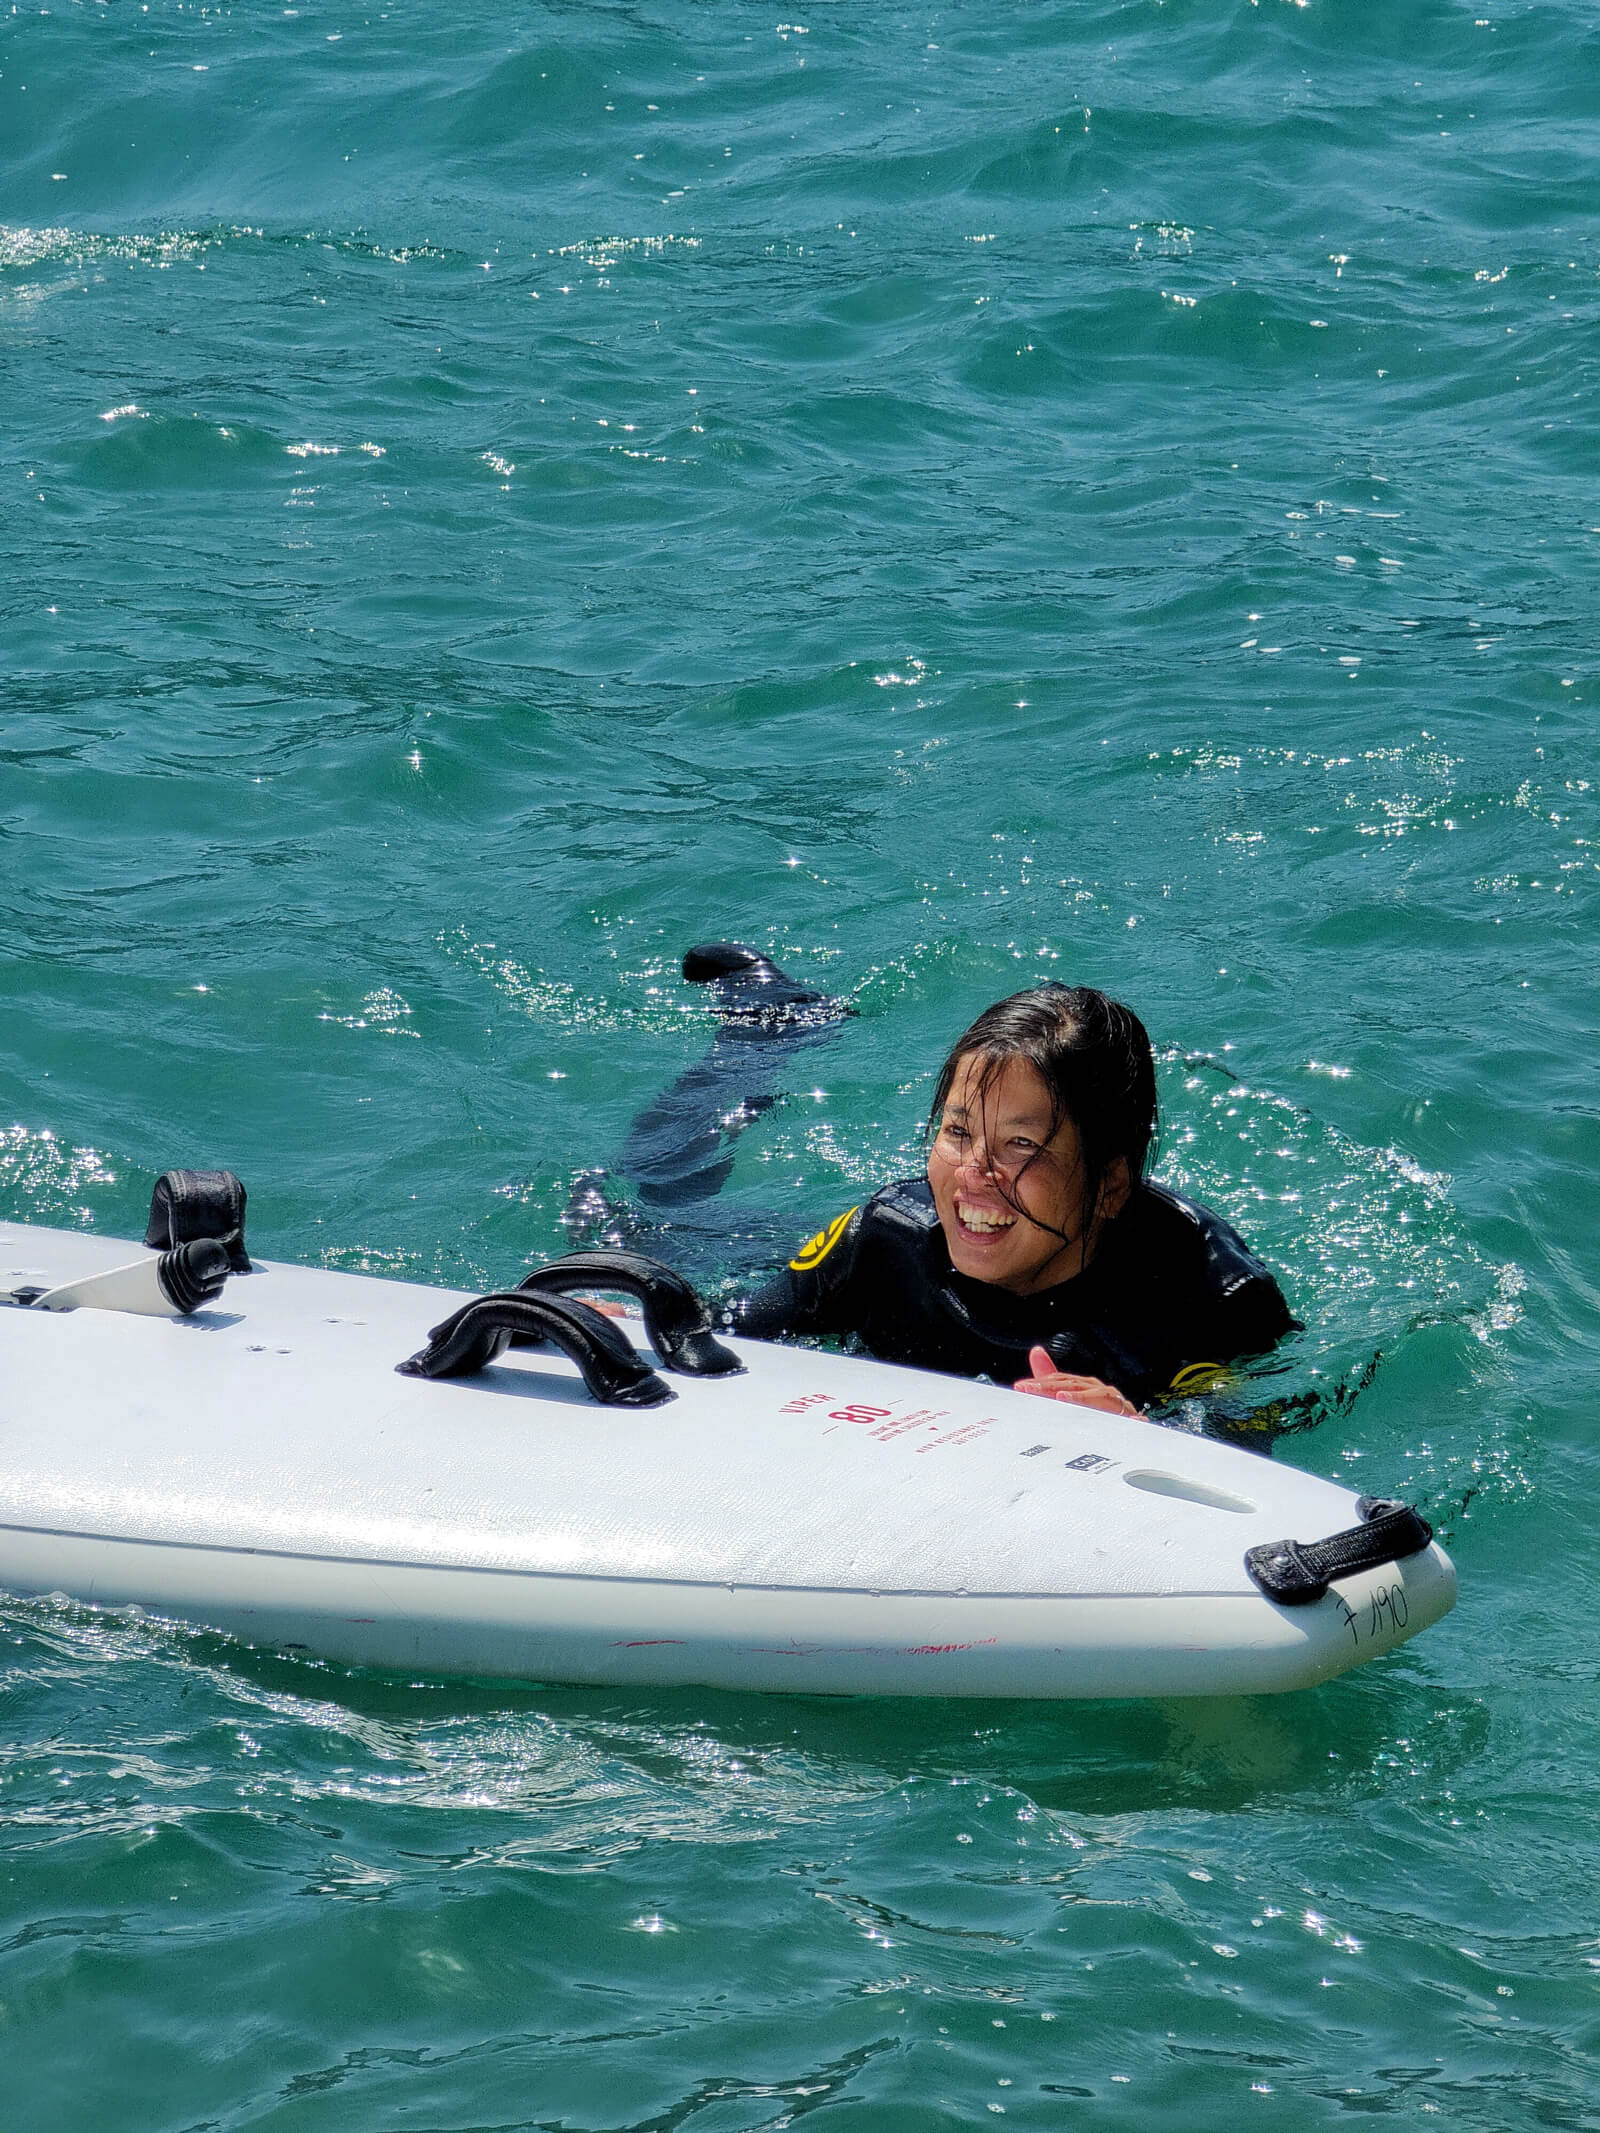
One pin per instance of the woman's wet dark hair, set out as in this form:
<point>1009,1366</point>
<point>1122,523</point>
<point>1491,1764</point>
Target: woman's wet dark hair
<point>1092,1054</point>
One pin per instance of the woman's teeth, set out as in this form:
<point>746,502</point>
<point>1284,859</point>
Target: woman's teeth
<point>982,1218</point>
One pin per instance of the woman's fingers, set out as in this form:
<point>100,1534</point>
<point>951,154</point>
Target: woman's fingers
<point>1053,1384</point>
<point>1105,1397</point>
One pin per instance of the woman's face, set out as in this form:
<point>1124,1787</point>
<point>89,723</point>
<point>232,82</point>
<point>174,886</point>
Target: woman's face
<point>1008,1191</point>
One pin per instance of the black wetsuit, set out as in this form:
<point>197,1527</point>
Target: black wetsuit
<point>1170,1289</point>
<point>1171,1293</point>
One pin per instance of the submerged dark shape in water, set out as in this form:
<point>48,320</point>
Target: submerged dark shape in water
<point>679,1151</point>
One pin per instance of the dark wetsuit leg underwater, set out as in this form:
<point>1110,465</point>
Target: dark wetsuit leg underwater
<point>679,1151</point>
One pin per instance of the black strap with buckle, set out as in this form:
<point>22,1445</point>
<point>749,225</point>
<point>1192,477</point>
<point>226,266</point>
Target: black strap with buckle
<point>1295,1573</point>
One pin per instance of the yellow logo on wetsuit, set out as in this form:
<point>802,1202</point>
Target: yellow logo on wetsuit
<point>812,1253</point>
<point>1198,1378</point>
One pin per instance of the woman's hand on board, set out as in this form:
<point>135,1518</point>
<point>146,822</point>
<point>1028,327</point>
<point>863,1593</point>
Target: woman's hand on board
<point>1052,1384</point>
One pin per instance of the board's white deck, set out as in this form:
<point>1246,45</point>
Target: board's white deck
<point>271,1431</point>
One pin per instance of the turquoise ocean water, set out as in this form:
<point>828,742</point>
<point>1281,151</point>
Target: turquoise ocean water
<point>489,496</point>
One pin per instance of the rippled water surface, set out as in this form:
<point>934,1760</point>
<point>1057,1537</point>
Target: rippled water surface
<point>950,495</point>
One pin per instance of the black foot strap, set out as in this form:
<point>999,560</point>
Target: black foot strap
<point>1294,1573</point>
<point>675,1317</point>
<point>192,1274</point>
<point>470,1339</point>
<point>188,1204</point>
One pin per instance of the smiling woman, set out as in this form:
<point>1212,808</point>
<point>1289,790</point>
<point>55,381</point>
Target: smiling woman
<point>1034,1252</point>
<point>1055,1086</point>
